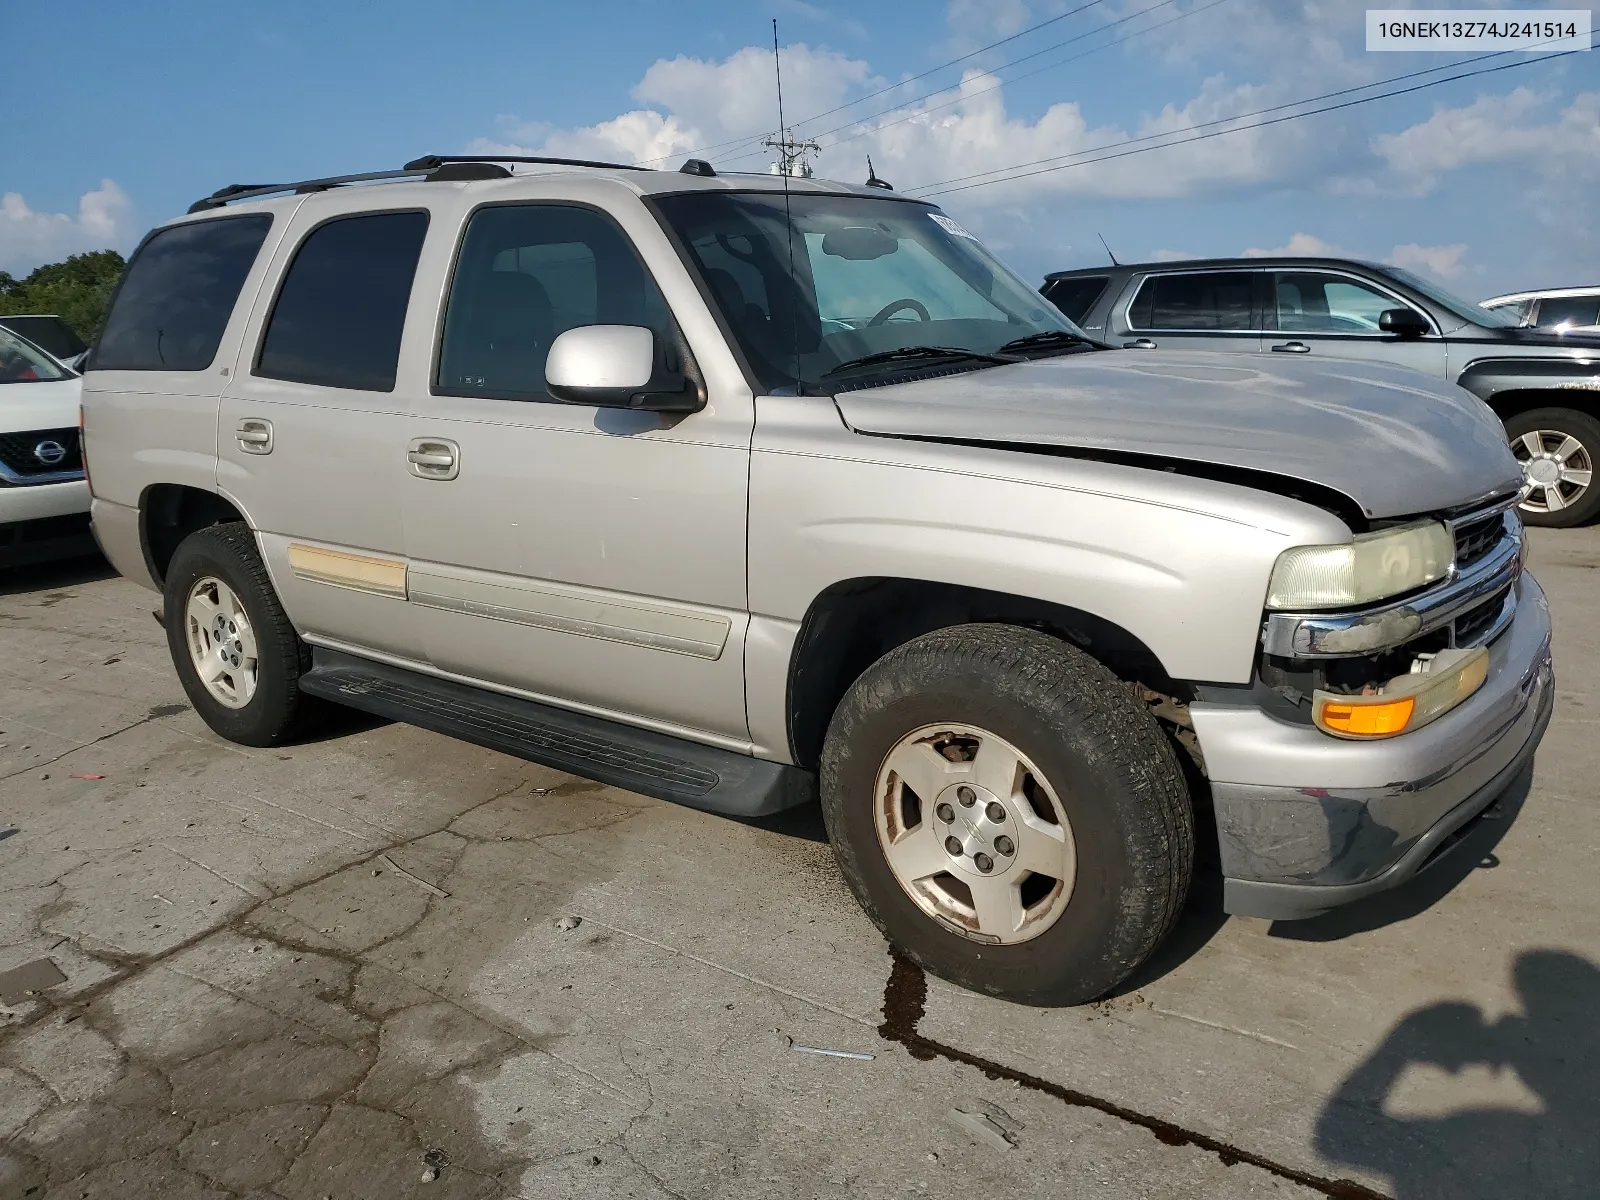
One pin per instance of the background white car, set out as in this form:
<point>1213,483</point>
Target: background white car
<point>44,497</point>
<point>1560,310</point>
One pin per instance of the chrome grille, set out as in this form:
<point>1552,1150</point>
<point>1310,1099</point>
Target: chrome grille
<point>1477,625</point>
<point>1476,536</point>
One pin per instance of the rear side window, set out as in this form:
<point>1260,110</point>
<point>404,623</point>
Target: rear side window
<point>340,312</point>
<point>1076,296</point>
<point>174,302</point>
<point>1199,300</point>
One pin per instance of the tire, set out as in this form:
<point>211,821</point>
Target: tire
<point>1105,763</point>
<point>1548,430</point>
<point>274,710</point>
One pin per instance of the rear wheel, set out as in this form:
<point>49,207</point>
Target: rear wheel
<point>1558,449</point>
<point>236,653</point>
<point>1008,813</point>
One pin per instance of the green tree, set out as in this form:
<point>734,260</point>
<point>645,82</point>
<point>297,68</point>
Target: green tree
<point>76,289</point>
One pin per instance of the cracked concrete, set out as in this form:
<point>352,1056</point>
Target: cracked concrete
<point>257,1008</point>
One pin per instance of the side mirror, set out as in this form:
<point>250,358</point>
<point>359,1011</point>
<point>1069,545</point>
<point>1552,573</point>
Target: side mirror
<point>616,366</point>
<point>1403,322</point>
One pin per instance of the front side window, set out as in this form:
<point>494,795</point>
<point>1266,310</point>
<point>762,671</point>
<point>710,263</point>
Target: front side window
<point>813,284</point>
<point>1569,312</point>
<point>342,307</point>
<point>1195,301</point>
<point>23,362</point>
<point>174,302</point>
<point>526,274</point>
<point>1317,302</point>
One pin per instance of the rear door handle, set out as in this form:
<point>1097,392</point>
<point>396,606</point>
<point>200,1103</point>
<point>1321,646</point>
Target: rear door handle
<point>254,436</point>
<point>1141,344</point>
<point>433,458</point>
<point>1293,348</point>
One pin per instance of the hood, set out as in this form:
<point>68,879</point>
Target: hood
<point>25,407</point>
<point>1395,442</point>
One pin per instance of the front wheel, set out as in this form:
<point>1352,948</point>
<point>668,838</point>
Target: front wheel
<point>1008,813</point>
<point>1557,449</point>
<point>236,653</point>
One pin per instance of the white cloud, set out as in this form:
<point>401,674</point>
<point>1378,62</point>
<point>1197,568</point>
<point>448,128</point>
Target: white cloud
<point>822,16</point>
<point>1443,261</point>
<point>1307,244</point>
<point>104,220</point>
<point>1496,129</point>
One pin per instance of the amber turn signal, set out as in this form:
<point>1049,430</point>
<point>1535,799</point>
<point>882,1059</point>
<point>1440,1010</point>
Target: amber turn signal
<point>1407,702</point>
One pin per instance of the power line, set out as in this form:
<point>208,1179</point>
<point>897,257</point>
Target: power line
<point>1127,37</point>
<point>1005,66</point>
<point>900,84</point>
<point>1240,129</point>
<point>1150,137</point>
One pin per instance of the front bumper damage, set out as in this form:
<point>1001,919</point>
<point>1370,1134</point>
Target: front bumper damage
<point>1307,822</point>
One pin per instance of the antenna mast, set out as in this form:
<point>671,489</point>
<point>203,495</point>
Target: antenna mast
<point>792,155</point>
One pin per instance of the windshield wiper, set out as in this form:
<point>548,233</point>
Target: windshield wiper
<point>1048,339</point>
<point>911,353</point>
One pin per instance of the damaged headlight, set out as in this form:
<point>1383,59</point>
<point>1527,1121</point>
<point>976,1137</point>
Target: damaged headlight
<point>1369,568</point>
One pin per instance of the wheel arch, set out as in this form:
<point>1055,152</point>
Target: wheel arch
<point>170,512</point>
<point>854,622</point>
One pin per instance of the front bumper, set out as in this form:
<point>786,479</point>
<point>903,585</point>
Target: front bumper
<point>1307,822</point>
<point>44,521</point>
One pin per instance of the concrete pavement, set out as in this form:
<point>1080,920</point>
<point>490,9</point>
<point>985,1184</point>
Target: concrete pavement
<point>267,995</point>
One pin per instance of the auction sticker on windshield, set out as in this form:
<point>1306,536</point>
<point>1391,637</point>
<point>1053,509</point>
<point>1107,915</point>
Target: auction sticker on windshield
<point>950,227</point>
<point>1456,29</point>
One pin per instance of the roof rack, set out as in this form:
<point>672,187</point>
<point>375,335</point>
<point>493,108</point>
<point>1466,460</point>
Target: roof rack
<point>437,167</point>
<point>432,162</point>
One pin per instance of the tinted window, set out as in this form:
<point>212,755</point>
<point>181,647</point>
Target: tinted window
<point>528,273</point>
<point>1569,311</point>
<point>174,302</point>
<point>1201,300</point>
<point>342,306</point>
<point>1314,302</point>
<point>1076,296</point>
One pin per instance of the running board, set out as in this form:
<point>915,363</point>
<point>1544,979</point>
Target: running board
<point>653,764</point>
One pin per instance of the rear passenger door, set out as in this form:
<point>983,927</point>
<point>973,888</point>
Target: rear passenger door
<point>1328,314</point>
<point>311,434</point>
<point>1191,310</point>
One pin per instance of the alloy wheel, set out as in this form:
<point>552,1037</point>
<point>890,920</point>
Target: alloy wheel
<point>974,833</point>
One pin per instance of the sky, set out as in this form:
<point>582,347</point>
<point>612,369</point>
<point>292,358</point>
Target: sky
<point>129,112</point>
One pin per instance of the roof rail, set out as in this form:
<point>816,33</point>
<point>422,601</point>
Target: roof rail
<point>250,191</point>
<point>431,166</point>
<point>431,162</point>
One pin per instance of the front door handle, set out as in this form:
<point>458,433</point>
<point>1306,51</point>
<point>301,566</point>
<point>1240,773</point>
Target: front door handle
<point>1141,344</point>
<point>254,436</point>
<point>1293,348</point>
<point>433,458</point>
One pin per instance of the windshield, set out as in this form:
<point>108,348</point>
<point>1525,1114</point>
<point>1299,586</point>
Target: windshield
<point>862,276</point>
<point>1464,309</point>
<point>23,362</point>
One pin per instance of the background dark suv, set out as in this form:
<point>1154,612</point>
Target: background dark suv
<point>1544,386</point>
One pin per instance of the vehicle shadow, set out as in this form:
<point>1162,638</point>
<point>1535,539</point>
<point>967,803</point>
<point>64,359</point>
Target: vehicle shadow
<point>1487,1148</point>
<point>41,577</point>
<point>1475,851</point>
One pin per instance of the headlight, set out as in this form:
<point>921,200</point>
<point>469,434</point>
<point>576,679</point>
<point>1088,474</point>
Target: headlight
<point>1373,566</point>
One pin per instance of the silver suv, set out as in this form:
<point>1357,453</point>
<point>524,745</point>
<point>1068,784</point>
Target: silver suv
<point>734,490</point>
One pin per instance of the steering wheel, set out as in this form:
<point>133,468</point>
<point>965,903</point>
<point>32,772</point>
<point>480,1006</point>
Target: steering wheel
<point>888,310</point>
